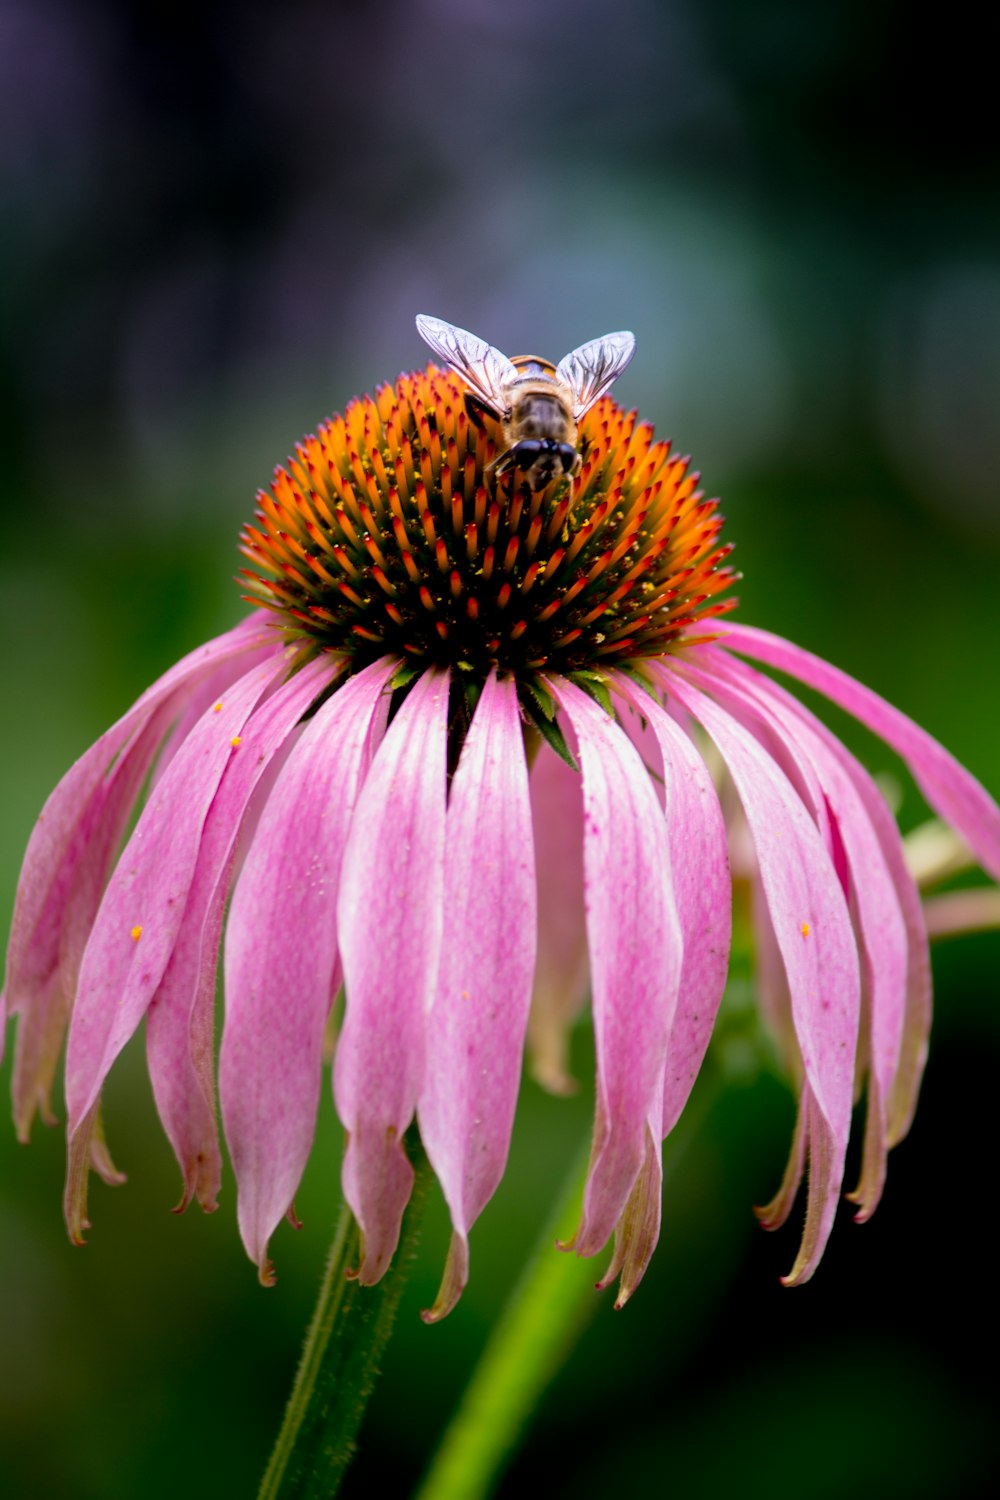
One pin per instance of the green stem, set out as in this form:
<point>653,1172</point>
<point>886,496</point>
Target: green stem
<point>336,1376</point>
<point>547,1313</point>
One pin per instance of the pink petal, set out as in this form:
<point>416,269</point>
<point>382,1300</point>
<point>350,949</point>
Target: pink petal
<point>66,862</point>
<point>974,910</point>
<point>635,955</point>
<point>882,928</point>
<point>774,998</point>
<point>475,1031</point>
<point>813,931</point>
<point>141,913</point>
<point>892,1104</point>
<point>902,1098</point>
<point>949,788</point>
<point>180,1020</point>
<point>281,948</point>
<point>210,689</point>
<point>43,984</point>
<point>699,860</point>
<point>561,974</point>
<point>389,916</point>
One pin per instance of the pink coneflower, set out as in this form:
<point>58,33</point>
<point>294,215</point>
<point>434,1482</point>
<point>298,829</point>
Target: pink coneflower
<point>456,767</point>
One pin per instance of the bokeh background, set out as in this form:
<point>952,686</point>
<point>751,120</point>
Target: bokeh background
<point>217,229</point>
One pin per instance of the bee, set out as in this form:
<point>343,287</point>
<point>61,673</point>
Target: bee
<point>537,404</point>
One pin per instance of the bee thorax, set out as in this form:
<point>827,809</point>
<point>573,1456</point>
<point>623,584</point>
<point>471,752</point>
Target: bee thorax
<point>538,415</point>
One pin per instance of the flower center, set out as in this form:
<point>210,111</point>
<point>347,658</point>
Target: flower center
<point>390,532</point>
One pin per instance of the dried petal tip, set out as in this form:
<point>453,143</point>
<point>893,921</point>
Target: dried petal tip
<point>638,1229</point>
<point>265,1273</point>
<point>87,1151</point>
<point>456,1274</point>
<point>773,1214</point>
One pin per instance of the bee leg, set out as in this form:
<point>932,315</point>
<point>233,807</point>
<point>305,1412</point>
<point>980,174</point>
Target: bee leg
<point>504,462</point>
<point>477,411</point>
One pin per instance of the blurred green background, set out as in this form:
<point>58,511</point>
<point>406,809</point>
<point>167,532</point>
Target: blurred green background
<point>217,230</point>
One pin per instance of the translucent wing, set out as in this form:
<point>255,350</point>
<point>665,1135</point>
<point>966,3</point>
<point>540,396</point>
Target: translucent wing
<point>481,366</point>
<point>593,368</point>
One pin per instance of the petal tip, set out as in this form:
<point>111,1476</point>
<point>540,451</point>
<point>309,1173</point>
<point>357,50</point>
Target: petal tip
<point>766,1217</point>
<point>453,1280</point>
<point>801,1272</point>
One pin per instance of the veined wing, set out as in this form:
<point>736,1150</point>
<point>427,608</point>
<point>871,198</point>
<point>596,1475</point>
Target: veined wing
<point>593,368</point>
<point>481,366</point>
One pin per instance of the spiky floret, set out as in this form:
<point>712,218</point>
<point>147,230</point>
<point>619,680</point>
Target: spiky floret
<point>390,533</point>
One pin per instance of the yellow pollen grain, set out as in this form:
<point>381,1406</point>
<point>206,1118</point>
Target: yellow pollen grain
<point>236,741</point>
<point>136,933</point>
<point>804,929</point>
<point>217,709</point>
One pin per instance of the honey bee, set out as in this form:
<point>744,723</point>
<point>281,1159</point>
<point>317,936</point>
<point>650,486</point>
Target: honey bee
<point>538,404</point>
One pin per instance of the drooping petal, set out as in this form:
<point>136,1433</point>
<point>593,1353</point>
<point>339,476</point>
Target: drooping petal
<point>634,940</point>
<point>902,1099</point>
<point>813,930</point>
<point>179,1023</point>
<point>973,910</point>
<point>40,1034</point>
<point>389,916</point>
<point>950,789</point>
<point>280,952</point>
<point>561,975</point>
<point>77,834</point>
<point>54,848</point>
<point>44,982</point>
<point>699,862</point>
<point>139,918</point>
<point>774,998</point>
<point>476,1026</point>
<point>899,1084</point>
<point>880,920</point>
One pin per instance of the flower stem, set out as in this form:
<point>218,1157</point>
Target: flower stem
<point>547,1313</point>
<point>349,1331</point>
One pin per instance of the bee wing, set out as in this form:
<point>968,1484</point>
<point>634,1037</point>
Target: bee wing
<point>593,368</point>
<point>481,366</point>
